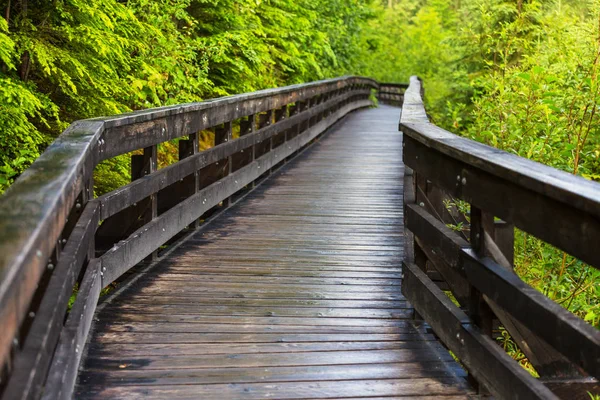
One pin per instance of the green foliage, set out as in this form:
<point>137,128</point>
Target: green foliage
<point>522,76</point>
<point>536,94</point>
<point>72,59</point>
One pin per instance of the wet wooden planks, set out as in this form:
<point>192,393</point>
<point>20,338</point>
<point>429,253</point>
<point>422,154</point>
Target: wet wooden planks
<point>293,293</point>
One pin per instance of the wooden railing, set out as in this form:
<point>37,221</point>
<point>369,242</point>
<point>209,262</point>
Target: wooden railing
<point>504,191</point>
<point>54,235</point>
<point>392,93</point>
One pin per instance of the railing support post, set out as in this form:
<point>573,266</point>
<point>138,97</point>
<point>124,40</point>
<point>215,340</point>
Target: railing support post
<point>280,115</point>
<point>149,162</point>
<point>251,128</point>
<point>224,135</point>
<point>479,310</point>
<point>191,186</point>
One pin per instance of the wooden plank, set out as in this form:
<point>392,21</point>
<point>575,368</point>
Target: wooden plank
<point>442,247</point>
<point>281,272</point>
<point>413,109</point>
<point>270,359</point>
<point>478,309</point>
<point>435,234</point>
<point>125,318</point>
<point>574,389</point>
<point>131,349</point>
<point>453,277</point>
<point>290,287</point>
<point>120,225</point>
<point>281,311</point>
<point>128,377</point>
<point>63,371</point>
<point>421,397</point>
<point>184,327</point>
<point>183,338</point>
<point>180,190</point>
<point>267,292</point>
<point>284,280</point>
<point>285,390</point>
<point>483,358</point>
<point>271,303</point>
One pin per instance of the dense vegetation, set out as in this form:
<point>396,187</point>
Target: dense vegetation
<point>64,60</point>
<point>522,75</point>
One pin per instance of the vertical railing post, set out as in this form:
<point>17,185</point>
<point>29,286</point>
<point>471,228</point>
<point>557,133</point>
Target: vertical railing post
<point>409,198</point>
<point>88,194</point>
<point>265,120</point>
<point>302,106</point>
<point>279,115</point>
<point>195,138</point>
<point>223,135</point>
<point>504,236</point>
<point>191,185</point>
<point>142,165</point>
<point>250,128</point>
<point>294,130</point>
<point>151,161</point>
<point>309,104</point>
<point>480,312</point>
<point>482,223</point>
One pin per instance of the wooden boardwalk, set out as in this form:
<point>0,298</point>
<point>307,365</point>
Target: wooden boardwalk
<point>293,293</point>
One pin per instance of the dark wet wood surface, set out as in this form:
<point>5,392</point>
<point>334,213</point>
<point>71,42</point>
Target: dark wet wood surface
<point>293,293</point>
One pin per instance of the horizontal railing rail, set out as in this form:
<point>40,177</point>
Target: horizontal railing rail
<point>504,191</point>
<point>392,93</point>
<point>55,235</point>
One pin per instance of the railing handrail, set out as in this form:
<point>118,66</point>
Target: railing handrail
<point>573,191</point>
<point>555,206</point>
<point>53,192</point>
<point>161,112</point>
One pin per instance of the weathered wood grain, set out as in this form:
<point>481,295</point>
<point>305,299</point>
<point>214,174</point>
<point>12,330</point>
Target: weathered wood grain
<point>33,213</point>
<point>488,363</point>
<point>435,387</point>
<point>567,333</point>
<point>272,374</point>
<point>63,371</point>
<point>451,247</point>
<point>32,363</point>
<point>129,350</point>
